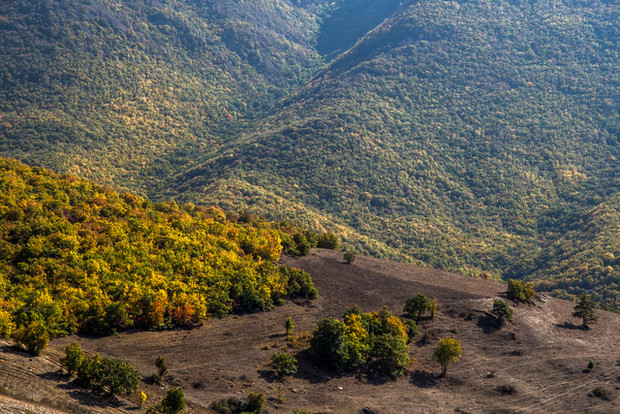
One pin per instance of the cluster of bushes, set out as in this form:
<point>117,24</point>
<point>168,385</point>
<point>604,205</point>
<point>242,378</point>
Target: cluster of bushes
<point>378,339</point>
<point>300,243</point>
<point>75,256</point>
<point>254,405</point>
<point>520,291</point>
<point>100,374</point>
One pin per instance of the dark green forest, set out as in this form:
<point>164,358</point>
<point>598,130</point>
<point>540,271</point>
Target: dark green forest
<point>474,136</point>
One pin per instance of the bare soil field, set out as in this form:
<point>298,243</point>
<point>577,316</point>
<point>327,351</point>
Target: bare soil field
<point>537,364</point>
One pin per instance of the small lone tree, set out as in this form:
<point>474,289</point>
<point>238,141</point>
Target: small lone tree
<point>584,309</point>
<point>288,326</point>
<point>501,311</point>
<point>349,257</point>
<point>283,364</point>
<point>448,351</point>
<point>173,402</point>
<point>73,358</point>
<point>417,305</point>
<point>434,308</point>
<point>521,291</point>
<point>162,368</point>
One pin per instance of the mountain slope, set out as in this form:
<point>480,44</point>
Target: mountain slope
<point>454,132</point>
<point>118,91</point>
<point>458,134</point>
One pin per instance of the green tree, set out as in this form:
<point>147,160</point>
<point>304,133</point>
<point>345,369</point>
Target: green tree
<point>501,311</point>
<point>331,346</point>
<point>391,353</point>
<point>417,305</point>
<point>521,291</point>
<point>283,364</point>
<point>173,402</point>
<point>584,309</point>
<point>447,352</point>
<point>118,377</point>
<point>73,358</point>
<point>162,368</point>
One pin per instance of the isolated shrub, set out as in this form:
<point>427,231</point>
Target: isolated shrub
<point>73,358</point>
<point>162,368</point>
<point>584,309</point>
<point>521,291</point>
<point>447,352</point>
<point>33,337</point>
<point>283,364</point>
<point>349,257</point>
<point>417,305</point>
<point>231,405</point>
<point>506,389</point>
<point>412,328</point>
<point>328,241</point>
<point>501,311</point>
<point>434,308</point>
<point>256,402</point>
<point>600,392</point>
<point>288,326</point>
<point>173,402</point>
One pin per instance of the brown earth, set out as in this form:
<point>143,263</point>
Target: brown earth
<point>542,354</point>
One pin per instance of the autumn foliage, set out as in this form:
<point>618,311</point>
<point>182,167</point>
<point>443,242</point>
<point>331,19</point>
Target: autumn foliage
<point>75,256</point>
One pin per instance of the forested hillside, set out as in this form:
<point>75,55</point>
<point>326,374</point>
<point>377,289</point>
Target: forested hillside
<point>473,136</point>
<point>75,256</point>
<point>126,91</point>
<point>459,134</point>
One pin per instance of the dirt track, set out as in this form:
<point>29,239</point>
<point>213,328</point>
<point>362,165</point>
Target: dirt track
<point>538,355</point>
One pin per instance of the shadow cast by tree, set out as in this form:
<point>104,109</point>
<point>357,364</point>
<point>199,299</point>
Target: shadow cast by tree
<point>488,324</point>
<point>423,379</point>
